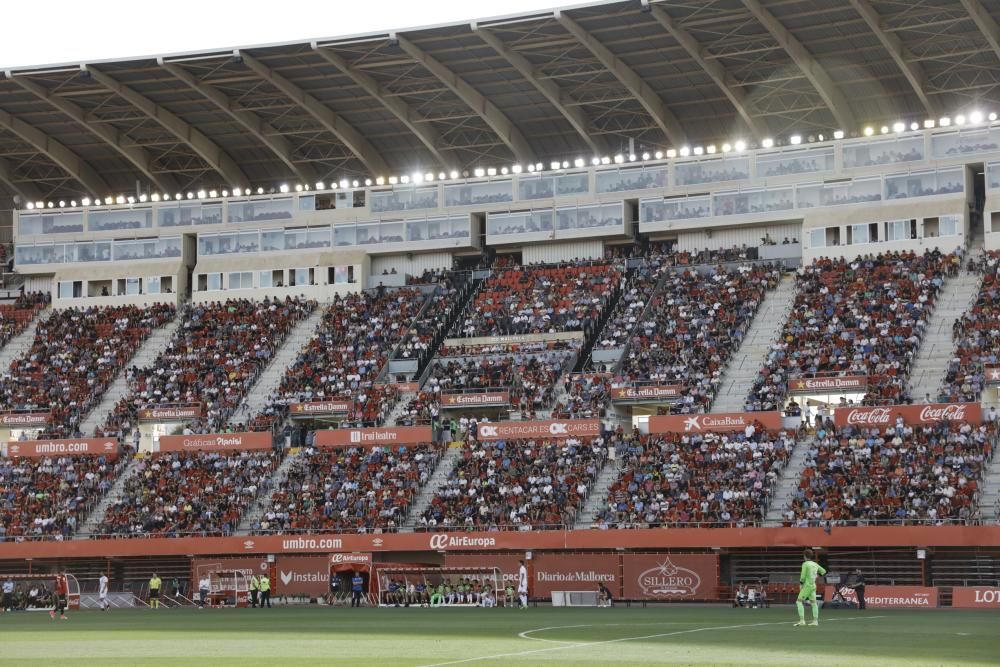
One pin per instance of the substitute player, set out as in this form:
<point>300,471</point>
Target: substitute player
<point>522,585</point>
<point>62,596</point>
<point>102,592</point>
<point>807,587</point>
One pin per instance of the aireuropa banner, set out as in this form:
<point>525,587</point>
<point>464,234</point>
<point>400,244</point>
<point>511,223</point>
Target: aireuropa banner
<point>333,407</point>
<point>670,576</point>
<point>374,437</point>
<point>351,559</point>
<point>215,442</point>
<point>646,392</point>
<point>975,597</point>
<point>852,383</point>
<point>909,597</point>
<point>713,423</point>
<point>883,416</point>
<point>171,413</point>
<point>568,428</point>
<point>573,572</point>
<point>460,400</point>
<point>15,419</point>
<point>302,575</point>
<point>66,447</point>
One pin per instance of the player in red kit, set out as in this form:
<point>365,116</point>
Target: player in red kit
<point>62,596</point>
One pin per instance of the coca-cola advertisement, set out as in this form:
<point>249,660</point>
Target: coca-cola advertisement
<point>66,447</point>
<point>909,597</point>
<point>215,442</point>
<point>885,416</point>
<point>846,383</point>
<point>646,392</point>
<point>567,428</point>
<point>24,419</point>
<point>975,597</point>
<point>573,572</point>
<point>670,576</point>
<point>332,407</point>
<point>171,413</point>
<point>460,400</point>
<point>374,437</point>
<point>713,423</point>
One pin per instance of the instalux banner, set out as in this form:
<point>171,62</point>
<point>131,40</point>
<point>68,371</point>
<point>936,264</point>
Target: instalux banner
<point>374,437</point>
<point>847,383</point>
<point>68,447</point>
<point>713,423</point>
<point>567,428</point>
<point>883,416</point>
<point>215,442</point>
<point>302,575</point>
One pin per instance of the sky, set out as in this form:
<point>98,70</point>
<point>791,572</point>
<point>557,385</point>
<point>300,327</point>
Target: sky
<point>43,32</point>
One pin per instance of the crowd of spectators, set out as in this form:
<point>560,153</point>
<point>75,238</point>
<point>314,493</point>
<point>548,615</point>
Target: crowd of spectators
<point>861,317</point>
<point>518,484</point>
<point>419,339</point>
<point>48,498</point>
<point>977,339</point>
<point>899,474</point>
<point>17,314</point>
<point>693,325</point>
<point>189,493</point>
<point>346,356</point>
<point>214,358</point>
<point>540,299</point>
<point>75,356</point>
<point>586,396</point>
<point>348,490</point>
<point>705,480</point>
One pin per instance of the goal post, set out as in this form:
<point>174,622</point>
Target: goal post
<point>439,586</point>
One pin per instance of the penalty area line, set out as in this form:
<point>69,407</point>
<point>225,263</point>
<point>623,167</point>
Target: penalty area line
<point>566,646</point>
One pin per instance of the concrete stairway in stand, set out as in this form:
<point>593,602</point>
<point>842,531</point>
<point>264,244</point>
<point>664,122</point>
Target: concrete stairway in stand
<point>270,378</point>
<point>746,362</point>
<point>597,495</point>
<point>263,500</point>
<point>449,459</point>
<point>989,495</point>
<point>788,483</point>
<point>396,413</point>
<point>937,348</point>
<point>144,357</point>
<point>21,343</point>
<point>93,520</point>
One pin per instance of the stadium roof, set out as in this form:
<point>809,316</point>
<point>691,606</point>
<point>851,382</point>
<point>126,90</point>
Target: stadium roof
<point>551,85</point>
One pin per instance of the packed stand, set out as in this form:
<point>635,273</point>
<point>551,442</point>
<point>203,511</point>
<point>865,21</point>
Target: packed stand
<point>214,358</point>
<point>635,296</point>
<point>49,498</point>
<point>863,317</point>
<point>518,484</point>
<point>189,493</point>
<point>693,325</point>
<point>355,490</point>
<point>17,314</point>
<point>899,474</point>
<point>540,299</point>
<point>977,340</point>
<point>585,396</point>
<point>530,379</point>
<point>419,339</point>
<point>346,355</point>
<point>703,480</point>
<point>75,356</point>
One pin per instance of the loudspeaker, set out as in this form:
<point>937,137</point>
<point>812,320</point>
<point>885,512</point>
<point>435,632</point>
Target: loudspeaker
<point>839,604</point>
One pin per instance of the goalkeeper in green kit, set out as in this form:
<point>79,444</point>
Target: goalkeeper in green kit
<point>807,587</point>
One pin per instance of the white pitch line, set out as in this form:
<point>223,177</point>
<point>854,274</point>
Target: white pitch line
<point>563,647</point>
<point>524,635</point>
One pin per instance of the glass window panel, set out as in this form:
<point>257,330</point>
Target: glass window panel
<point>391,232</point>
<point>307,202</point>
<point>368,233</point>
<point>302,276</point>
<point>214,281</point>
<point>340,275</point>
<point>500,224</point>
<point>179,215</point>
<point>993,175</point>
<point>949,225</point>
<point>535,187</point>
<point>210,215</point>
<point>817,237</point>
<point>50,223</point>
<point>248,241</point>
<point>318,237</point>
<point>966,142</point>
<point>575,184</point>
<point>631,178</point>
<point>872,152</point>
<point>265,278</point>
<point>467,194</point>
<point>262,209</point>
<point>65,289</point>
<point>131,286</point>
<point>131,218</point>
<point>566,218</point>
<point>404,199</point>
<point>168,247</point>
<point>153,285</point>
<point>272,239</point>
<point>859,234</point>
<point>795,161</point>
<point>713,170</point>
<point>345,235</point>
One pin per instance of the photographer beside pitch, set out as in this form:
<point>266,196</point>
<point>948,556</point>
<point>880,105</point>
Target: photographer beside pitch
<point>807,587</point>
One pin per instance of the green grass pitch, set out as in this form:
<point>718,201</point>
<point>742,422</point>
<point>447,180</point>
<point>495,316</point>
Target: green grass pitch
<point>542,636</point>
